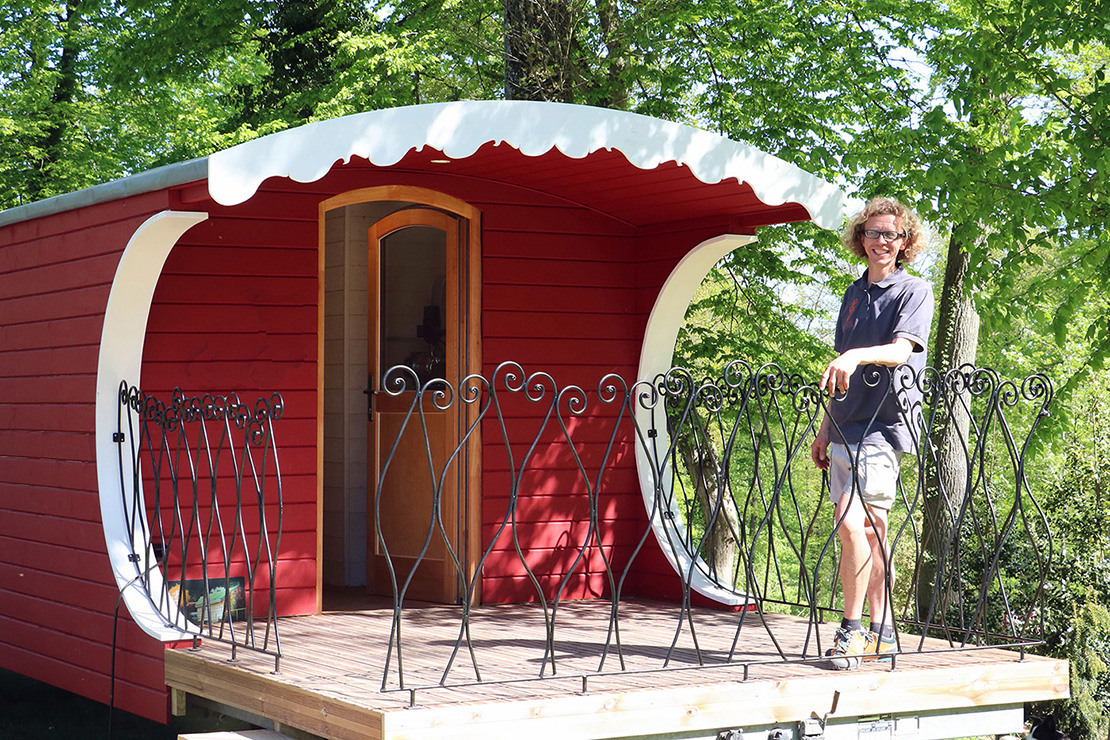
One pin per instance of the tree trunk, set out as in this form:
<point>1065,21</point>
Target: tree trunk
<point>51,148</point>
<point>615,91</point>
<point>946,482</point>
<point>720,547</point>
<point>538,35</point>
<point>548,58</point>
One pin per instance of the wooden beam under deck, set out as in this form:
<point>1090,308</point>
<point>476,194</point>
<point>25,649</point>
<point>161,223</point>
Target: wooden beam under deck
<point>331,676</point>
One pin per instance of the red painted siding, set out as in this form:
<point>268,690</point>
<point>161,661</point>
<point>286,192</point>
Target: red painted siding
<point>558,297</point>
<point>569,296</point>
<point>566,290</point>
<point>561,293</point>
<point>57,594</point>
<point>235,311</point>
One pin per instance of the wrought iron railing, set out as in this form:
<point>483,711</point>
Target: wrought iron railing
<point>734,499</point>
<point>202,498</point>
<point>722,464</point>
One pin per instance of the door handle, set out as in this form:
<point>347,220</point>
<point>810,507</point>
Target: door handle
<point>370,392</point>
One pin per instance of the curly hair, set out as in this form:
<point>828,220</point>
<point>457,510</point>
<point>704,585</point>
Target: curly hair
<point>914,243</point>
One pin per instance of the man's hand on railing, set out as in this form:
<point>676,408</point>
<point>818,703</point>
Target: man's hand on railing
<point>819,450</point>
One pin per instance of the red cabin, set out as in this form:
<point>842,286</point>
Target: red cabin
<point>447,238</point>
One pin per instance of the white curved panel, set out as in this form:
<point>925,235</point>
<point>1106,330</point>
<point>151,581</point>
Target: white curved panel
<point>383,137</point>
<point>121,354</point>
<point>656,357</point>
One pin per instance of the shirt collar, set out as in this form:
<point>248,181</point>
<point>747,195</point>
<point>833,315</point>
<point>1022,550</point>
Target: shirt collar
<point>898,276</point>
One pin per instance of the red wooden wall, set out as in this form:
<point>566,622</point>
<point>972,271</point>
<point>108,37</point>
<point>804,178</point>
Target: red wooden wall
<point>568,292</point>
<point>559,296</point>
<point>235,311</point>
<point>573,302</point>
<point>565,290</point>
<point>57,593</point>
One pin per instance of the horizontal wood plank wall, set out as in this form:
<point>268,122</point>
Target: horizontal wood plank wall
<point>559,296</point>
<point>57,594</point>
<point>565,290</point>
<point>567,294</point>
<point>235,311</point>
<point>561,293</point>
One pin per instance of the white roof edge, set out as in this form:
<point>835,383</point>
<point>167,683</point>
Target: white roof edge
<point>458,129</point>
<point>383,137</point>
<point>167,176</point>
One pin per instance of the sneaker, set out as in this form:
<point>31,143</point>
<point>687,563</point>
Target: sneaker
<point>849,648</point>
<point>881,646</point>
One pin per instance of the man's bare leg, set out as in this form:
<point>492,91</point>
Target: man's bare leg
<point>856,557</point>
<point>880,585</point>
<point>852,641</point>
<point>877,586</point>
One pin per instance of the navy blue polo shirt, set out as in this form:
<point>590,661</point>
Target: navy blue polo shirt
<point>872,314</point>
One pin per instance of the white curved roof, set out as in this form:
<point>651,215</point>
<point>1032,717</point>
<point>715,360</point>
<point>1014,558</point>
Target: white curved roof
<point>635,169</point>
<point>458,130</point>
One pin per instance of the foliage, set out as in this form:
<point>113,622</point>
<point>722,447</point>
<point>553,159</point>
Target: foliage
<point>1076,615</point>
<point>91,90</point>
<point>1005,144</point>
<point>764,304</point>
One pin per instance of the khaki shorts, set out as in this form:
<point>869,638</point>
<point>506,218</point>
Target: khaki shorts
<point>879,468</point>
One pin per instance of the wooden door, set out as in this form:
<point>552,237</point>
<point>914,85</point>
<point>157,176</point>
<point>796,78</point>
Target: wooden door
<point>414,508</point>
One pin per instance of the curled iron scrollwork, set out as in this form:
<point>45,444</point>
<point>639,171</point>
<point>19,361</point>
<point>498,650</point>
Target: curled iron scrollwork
<point>611,388</point>
<point>440,392</point>
<point>573,399</point>
<point>1038,386</point>
<point>400,379</point>
<point>177,451</point>
<point>724,471</point>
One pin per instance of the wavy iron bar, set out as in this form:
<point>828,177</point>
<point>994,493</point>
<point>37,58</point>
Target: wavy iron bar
<point>736,497</point>
<point>203,499</point>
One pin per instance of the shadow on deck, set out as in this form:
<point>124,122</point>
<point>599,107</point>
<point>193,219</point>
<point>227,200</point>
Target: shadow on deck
<point>330,682</point>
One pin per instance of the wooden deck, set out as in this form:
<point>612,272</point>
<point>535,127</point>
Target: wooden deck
<point>331,676</point>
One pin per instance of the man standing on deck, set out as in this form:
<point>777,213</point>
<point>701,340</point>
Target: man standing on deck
<point>884,320</point>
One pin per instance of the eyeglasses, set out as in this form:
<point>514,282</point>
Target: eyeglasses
<point>888,235</point>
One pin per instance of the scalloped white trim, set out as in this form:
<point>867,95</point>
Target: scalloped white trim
<point>383,137</point>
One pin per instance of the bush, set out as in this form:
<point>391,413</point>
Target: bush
<point>1077,620</point>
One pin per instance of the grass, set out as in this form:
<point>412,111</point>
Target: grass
<point>31,710</point>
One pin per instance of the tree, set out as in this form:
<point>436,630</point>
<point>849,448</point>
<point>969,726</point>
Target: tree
<point>43,95</point>
<point>300,44</point>
<point>993,156</point>
<point>91,90</point>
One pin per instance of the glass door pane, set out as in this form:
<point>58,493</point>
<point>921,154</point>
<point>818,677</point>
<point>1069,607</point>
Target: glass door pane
<point>413,300</point>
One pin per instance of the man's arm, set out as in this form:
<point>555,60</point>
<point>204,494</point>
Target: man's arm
<point>839,372</point>
<point>837,375</point>
<point>819,449</point>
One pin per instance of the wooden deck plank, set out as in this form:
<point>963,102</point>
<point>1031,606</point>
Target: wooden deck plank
<point>333,665</point>
<point>270,697</point>
<point>712,706</point>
